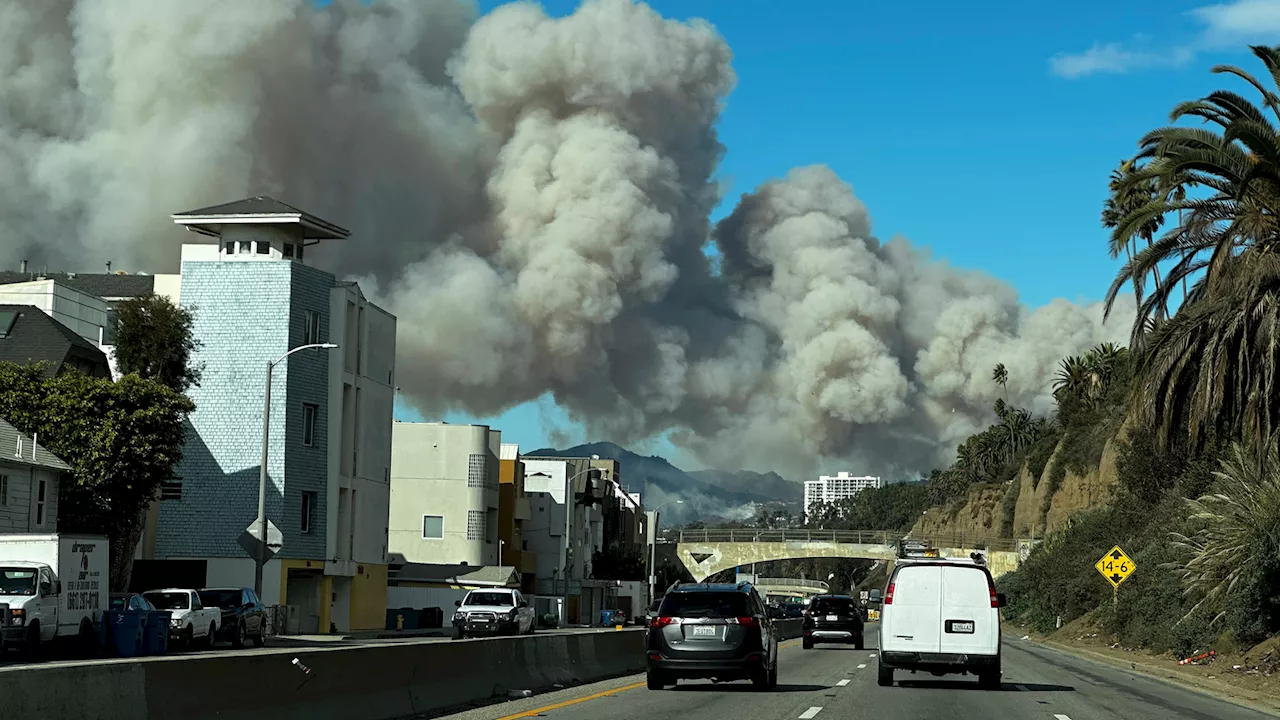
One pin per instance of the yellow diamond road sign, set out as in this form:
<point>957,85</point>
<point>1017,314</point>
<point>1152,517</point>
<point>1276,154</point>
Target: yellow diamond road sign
<point>1115,566</point>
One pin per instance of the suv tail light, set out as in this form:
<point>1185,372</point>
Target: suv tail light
<point>661,622</point>
<point>747,622</point>
<point>888,595</point>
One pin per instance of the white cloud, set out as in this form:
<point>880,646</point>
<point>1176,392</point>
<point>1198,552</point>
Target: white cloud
<point>1226,24</point>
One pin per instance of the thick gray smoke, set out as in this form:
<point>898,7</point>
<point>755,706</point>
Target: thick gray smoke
<point>530,195</point>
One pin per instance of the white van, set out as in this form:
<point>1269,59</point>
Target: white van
<point>941,616</point>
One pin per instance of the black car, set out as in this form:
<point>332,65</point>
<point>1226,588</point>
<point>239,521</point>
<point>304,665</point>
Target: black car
<point>243,616</point>
<point>721,632</point>
<point>832,619</point>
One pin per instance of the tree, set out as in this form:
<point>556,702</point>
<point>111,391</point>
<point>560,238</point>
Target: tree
<point>154,341</point>
<point>1238,168</point>
<point>1130,195</point>
<point>121,439</point>
<point>617,563</point>
<point>1001,376</point>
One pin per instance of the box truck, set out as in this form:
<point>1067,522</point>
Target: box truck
<point>55,587</point>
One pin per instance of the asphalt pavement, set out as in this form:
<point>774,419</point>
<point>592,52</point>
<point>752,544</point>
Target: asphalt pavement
<point>1039,683</point>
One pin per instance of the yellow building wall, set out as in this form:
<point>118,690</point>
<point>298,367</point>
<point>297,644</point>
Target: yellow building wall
<point>369,598</point>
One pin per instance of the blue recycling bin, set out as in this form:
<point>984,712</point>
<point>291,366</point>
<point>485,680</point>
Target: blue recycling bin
<point>155,634</point>
<point>124,630</point>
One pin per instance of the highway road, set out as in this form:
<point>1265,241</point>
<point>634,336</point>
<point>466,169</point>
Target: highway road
<point>832,682</point>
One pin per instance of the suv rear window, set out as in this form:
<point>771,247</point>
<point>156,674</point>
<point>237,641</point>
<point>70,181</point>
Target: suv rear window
<point>833,605</point>
<point>705,605</point>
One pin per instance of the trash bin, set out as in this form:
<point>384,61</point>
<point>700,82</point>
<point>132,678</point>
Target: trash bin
<point>155,634</point>
<point>431,618</point>
<point>124,632</point>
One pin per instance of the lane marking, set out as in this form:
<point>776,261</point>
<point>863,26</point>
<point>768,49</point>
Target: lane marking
<point>842,683</point>
<point>1062,717</point>
<point>873,654</point>
<point>862,666</point>
<point>813,712</point>
<point>567,703</point>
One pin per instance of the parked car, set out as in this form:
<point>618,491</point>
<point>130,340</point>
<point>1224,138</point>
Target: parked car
<point>129,601</point>
<point>712,631</point>
<point>243,616</point>
<point>493,611</point>
<point>941,616</point>
<point>191,622</point>
<point>832,619</point>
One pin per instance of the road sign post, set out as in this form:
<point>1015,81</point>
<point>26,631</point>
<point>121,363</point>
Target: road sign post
<point>1116,567</point>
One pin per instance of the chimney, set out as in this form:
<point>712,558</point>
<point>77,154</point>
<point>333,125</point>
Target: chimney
<point>34,438</point>
<point>24,267</point>
<point>108,267</point>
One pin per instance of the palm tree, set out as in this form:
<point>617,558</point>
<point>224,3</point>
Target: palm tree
<point>1238,538</point>
<point>1238,165</point>
<point>1128,196</point>
<point>1001,376</point>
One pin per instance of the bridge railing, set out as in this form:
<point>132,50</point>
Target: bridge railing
<point>793,583</point>
<point>865,537</point>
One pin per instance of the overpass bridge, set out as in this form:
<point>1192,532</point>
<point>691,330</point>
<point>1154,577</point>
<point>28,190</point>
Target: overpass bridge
<point>707,551</point>
<point>791,587</point>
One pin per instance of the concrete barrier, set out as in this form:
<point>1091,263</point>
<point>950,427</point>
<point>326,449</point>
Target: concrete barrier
<point>790,628</point>
<point>372,682</point>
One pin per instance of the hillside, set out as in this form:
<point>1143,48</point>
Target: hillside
<point>708,495</point>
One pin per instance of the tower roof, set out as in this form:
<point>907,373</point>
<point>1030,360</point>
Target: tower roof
<point>260,210</point>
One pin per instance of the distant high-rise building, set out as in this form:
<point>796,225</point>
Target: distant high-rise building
<point>833,488</point>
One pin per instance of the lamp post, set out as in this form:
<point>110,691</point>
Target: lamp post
<point>653,545</point>
<point>261,560</point>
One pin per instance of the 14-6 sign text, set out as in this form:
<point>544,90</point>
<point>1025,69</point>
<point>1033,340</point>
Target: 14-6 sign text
<point>1116,566</point>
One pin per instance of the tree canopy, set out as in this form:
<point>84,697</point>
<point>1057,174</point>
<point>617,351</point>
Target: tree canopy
<point>154,341</point>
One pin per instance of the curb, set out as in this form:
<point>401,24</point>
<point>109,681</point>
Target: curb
<point>1253,699</point>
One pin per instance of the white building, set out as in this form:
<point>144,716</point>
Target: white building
<point>444,494</point>
<point>566,529</point>
<point>833,488</point>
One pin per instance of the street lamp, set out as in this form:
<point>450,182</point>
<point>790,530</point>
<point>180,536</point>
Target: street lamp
<point>261,560</point>
<point>653,544</point>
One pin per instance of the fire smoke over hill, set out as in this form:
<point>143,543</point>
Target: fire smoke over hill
<point>530,195</point>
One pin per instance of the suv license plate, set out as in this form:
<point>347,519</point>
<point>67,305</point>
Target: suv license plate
<point>704,630</point>
<point>960,626</point>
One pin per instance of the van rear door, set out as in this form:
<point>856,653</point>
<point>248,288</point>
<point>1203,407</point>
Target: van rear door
<point>970,624</point>
<point>914,623</point>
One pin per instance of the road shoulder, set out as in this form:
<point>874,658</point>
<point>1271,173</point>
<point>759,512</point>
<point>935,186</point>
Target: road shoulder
<point>1211,685</point>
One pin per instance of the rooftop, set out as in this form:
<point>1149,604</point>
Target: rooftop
<point>28,336</point>
<point>260,210</point>
<point>16,447</point>
<point>104,285</point>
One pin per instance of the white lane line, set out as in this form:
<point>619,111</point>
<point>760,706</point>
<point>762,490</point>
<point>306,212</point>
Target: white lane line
<point>873,654</point>
<point>842,683</point>
<point>863,665</point>
<point>1062,717</point>
<point>813,712</point>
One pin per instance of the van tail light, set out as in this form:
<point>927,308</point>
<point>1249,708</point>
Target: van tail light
<point>807,613</point>
<point>995,599</point>
<point>888,595</point>
<point>747,622</point>
<point>659,622</point>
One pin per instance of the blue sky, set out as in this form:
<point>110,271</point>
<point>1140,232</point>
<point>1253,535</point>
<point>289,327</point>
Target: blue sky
<point>985,131</point>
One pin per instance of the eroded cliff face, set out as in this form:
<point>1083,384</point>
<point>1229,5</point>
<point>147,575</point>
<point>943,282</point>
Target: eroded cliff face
<point>982,513</point>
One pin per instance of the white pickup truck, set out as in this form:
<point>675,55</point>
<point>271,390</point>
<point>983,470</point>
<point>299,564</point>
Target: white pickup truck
<point>191,622</point>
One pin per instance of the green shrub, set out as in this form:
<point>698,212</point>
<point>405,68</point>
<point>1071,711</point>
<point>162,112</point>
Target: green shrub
<point>1039,453</point>
<point>1009,508</point>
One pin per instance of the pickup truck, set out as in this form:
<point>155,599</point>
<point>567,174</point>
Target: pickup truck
<point>496,611</point>
<point>191,622</point>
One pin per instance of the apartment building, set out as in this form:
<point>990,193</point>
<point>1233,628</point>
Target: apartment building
<point>566,528</point>
<point>834,488</point>
<point>329,454</point>
<point>444,494</point>
<point>514,511</point>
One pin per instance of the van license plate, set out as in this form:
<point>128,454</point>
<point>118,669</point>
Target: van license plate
<point>832,618</point>
<point>704,630</point>
<point>960,626</point>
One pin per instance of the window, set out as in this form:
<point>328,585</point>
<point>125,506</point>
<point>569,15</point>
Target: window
<point>312,320</point>
<point>308,510</point>
<point>705,605</point>
<point>4,490</point>
<point>299,251</point>
<point>432,527</point>
<point>40,499</point>
<point>171,489</point>
<point>244,248</point>
<point>109,330</point>
<point>476,471</point>
<point>309,423</point>
<point>288,250</point>
<point>475,525</point>
<point>262,247</point>
<point>229,248</point>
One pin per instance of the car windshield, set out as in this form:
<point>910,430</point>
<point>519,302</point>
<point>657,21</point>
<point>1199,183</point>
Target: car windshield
<point>169,600</point>
<point>17,581</point>
<point>705,605</point>
<point>489,598</point>
<point>833,605</point>
<point>220,598</point>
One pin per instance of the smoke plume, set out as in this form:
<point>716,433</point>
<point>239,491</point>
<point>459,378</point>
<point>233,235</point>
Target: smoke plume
<point>530,195</point>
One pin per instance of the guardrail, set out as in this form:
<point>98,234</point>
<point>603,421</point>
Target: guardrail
<point>862,537</point>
